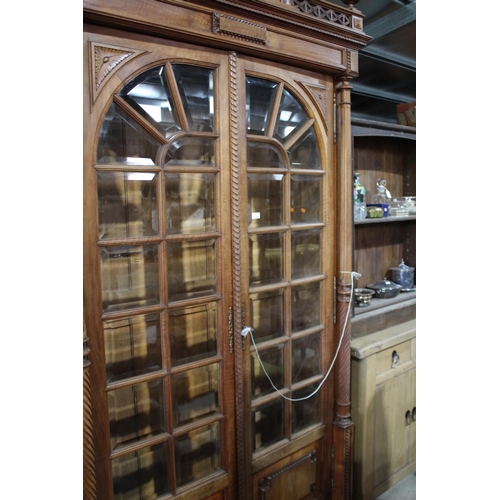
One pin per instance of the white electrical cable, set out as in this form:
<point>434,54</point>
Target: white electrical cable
<point>248,330</point>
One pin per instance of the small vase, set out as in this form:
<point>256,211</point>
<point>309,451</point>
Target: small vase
<point>359,199</point>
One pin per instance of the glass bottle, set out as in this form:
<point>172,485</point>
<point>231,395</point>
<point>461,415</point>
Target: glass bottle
<point>359,199</point>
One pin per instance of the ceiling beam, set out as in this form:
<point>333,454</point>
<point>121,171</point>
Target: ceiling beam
<point>392,21</point>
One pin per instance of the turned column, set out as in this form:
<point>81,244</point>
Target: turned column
<point>343,428</point>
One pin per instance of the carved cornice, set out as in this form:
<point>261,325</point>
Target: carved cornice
<point>105,61</point>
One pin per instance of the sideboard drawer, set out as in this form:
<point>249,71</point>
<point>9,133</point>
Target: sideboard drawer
<point>396,358</point>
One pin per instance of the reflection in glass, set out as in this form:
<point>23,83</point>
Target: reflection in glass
<point>141,475</point>
<point>197,454</point>
<point>192,332</point>
<point>266,258</point>
<point>306,357</point>
<point>265,199</point>
<point>263,155</point>
<point>268,426</point>
<point>136,412</point>
<point>190,203</point>
<point>196,88</point>
<point>305,153</point>
<point>291,115</point>
<point>127,204</point>
<point>305,199</point>
<point>306,305</point>
<point>260,95</point>
<point>191,151</point>
<point>150,95</point>
<point>129,276</point>
<point>122,140</point>
<point>305,413</point>
<point>266,315</point>
<point>305,254</point>
<point>272,359</point>
<point>191,269</point>
<point>133,346</point>
<point>195,394</point>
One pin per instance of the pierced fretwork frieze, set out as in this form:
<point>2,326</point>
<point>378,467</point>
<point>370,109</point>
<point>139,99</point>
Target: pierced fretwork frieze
<point>329,15</point>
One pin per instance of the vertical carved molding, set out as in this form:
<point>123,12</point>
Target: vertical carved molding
<point>89,477</point>
<point>343,427</point>
<point>236,256</point>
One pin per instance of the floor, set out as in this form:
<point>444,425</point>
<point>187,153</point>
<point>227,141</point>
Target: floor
<point>406,489</point>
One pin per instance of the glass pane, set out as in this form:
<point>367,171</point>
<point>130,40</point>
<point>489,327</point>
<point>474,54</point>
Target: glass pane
<point>266,258</point>
<point>133,346</point>
<point>122,140</point>
<point>265,200</point>
<point>262,155</point>
<point>307,412</point>
<point>196,87</point>
<point>191,151</point>
<point>195,394</point>
<point>291,115</point>
<point>190,203</point>
<point>305,153</point>
<point>136,412</point>
<point>141,475</point>
<point>306,304</point>
<point>149,94</point>
<point>306,357</point>
<point>305,254</point>
<point>266,315</point>
<point>305,201</point>
<point>260,96</point>
<point>272,359</point>
<point>268,426</point>
<point>129,276</point>
<point>197,454</point>
<point>192,332</point>
<point>127,204</point>
<point>191,269</point>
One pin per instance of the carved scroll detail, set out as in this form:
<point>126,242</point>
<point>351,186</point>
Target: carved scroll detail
<point>320,98</point>
<point>239,28</point>
<point>106,59</point>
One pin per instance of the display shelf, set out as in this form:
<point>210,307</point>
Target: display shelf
<point>401,218</point>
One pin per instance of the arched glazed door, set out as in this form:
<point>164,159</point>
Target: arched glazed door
<point>208,212</point>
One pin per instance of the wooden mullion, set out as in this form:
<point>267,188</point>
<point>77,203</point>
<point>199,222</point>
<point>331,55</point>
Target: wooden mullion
<point>297,134</point>
<point>176,96</point>
<point>271,124</point>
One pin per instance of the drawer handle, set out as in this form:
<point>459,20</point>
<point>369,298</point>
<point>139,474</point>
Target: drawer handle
<point>395,359</point>
<point>414,414</point>
<point>408,417</point>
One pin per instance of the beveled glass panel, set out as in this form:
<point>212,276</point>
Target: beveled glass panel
<point>150,95</point>
<point>306,306</point>
<point>191,269</point>
<point>305,152</point>
<point>133,346</point>
<point>192,332</point>
<point>266,258</point>
<point>122,140</point>
<point>305,201</point>
<point>272,362</point>
<point>265,200</point>
<point>305,413</point>
<point>197,454</point>
<point>191,152</point>
<point>306,357</point>
<point>266,315</point>
<point>260,96</point>
<point>136,412</point>
<point>142,474</point>
<point>127,204</point>
<point>195,394</point>
<point>190,203</point>
<point>291,115</point>
<point>268,425</point>
<point>196,88</point>
<point>306,253</point>
<point>129,276</point>
<point>263,155</point>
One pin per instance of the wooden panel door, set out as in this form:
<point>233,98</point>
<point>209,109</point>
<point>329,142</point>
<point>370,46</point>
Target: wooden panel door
<point>208,213</point>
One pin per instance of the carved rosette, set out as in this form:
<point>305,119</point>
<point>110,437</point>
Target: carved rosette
<point>320,98</point>
<point>106,60</point>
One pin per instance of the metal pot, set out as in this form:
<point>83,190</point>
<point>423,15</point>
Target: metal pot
<point>363,296</point>
<point>385,289</point>
<point>403,275</point>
